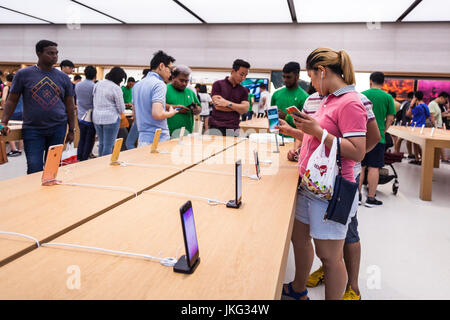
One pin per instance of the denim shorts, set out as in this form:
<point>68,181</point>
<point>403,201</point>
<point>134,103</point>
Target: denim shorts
<point>311,210</point>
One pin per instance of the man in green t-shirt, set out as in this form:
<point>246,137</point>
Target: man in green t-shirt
<point>126,90</point>
<point>184,100</point>
<point>291,94</point>
<point>384,110</point>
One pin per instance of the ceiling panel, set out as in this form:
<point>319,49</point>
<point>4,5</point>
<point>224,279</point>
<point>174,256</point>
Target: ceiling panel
<point>240,11</point>
<point>11,17</point>
<point>60,11</point>
<point>430,10</point>
<point>140,11</point>
<point>329,11</point>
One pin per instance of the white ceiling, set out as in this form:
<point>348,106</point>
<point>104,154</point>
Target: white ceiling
<point>217,11</point>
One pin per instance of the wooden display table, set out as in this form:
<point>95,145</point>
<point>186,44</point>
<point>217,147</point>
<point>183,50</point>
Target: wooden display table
<point>430,152</point>
<point>256,125</point>
<point>243,251</point>
<point>45,212</point>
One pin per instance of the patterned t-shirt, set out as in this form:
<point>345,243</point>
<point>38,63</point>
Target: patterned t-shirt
<point>43,95</point>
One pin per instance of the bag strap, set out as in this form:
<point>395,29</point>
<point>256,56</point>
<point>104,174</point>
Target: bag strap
<point>338,156</point>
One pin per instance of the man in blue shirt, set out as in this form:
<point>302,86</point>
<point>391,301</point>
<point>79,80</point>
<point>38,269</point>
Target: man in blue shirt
<point>149,99</point>
<point>419,113</point>
<point>47,105</point>
<point>85,101</point>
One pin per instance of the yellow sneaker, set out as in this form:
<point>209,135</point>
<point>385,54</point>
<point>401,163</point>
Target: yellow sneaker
<point>315,278</point>
<point>350,294</point>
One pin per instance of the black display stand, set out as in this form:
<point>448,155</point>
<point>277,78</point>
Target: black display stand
<point>182,266</point>
<point>233,204</point>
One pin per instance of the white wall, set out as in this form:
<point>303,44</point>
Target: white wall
<point>394,47</point>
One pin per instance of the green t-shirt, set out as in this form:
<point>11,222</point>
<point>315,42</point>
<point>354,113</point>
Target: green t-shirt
<point>383,105</point>
<point>127,96</point>
<point>250,96</point>
<point>285,98</point>
<point>184,98</point>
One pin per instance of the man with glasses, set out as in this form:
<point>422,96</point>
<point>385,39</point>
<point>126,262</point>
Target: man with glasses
<point>149,99</point>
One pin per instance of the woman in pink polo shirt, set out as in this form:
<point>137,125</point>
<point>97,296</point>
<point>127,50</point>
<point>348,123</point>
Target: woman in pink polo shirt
<point>343,115</point>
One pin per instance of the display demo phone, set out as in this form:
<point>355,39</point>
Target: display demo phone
<point>188,262</point>
<point>258,169</point>
<point>272,115</point>
<point>155,141</point>
<point>180,140</point>
<point>236,203</point>
<point>116,152</point>
<point>52,164</point>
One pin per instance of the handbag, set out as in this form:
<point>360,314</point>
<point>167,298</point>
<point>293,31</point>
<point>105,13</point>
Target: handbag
<point>340,204</point>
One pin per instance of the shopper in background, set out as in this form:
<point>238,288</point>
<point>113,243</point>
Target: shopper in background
<point>435,109</point>
<point>76,79</point>
<point>67,67</point>
<point>1,85</point>
<point>85,101</point>
<point>249,114</point>
<point>145,72</point>
<point>183,99</point>
<point>264,101</point>
<point>127,92</point>
<point>403,121</point>
<point>108,107</point>
<point>230,100</point>
<point>206,102</point>
<point>419,113</point>
<point>291,94</point>
<point>17,115</point>
<point>384,110</point>
<point>149,99</point>
<point>47,105</point>
<point>343,115</point>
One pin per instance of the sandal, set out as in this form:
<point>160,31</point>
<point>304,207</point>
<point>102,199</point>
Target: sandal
<point>293,294</point>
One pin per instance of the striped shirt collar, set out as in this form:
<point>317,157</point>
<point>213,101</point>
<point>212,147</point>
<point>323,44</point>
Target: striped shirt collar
<point>343,90</point>
<point>154,74</point>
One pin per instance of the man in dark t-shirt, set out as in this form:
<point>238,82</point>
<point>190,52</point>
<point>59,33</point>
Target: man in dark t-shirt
<point>230,100</point>
<point>47,105</point>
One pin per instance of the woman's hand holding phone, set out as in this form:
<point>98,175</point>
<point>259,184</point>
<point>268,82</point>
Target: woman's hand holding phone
<point>307,124</point>
<point>284,127</point>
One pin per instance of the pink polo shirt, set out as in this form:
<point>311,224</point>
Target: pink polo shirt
<point>343,115</point>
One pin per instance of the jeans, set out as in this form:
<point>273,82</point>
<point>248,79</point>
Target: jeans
<point>148,137</point>
<point>87,140</point>
<point>133,136</point>
<point>36,143</point>
<point>247,115</point>
<point>107,134</point>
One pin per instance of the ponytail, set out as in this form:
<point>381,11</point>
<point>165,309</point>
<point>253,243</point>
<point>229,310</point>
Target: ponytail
<point>337,61</point>
<point>347,67</point>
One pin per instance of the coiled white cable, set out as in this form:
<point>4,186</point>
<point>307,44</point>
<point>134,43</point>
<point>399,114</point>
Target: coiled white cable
<point>211,202</point>
<point>168,261</point>
<point>98,186</point>
<point>21,235</point>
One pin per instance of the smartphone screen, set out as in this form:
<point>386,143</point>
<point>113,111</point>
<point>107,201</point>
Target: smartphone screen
<point>258,170</point>
<point>238,181</point>
<point>190,234</point>
<point>272,115</point>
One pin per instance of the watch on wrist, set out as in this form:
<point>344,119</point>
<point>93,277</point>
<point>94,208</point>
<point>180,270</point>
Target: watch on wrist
<point>230,105</point>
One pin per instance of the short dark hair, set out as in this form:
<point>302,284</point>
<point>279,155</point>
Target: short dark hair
<point>202,88</point>
<point>10,77</point>
<point>418,95</point>
<point>44,44</point>
<point>292,66</point>
<point>1,72</point>
<point>410,95</point>
<point>90,72</point>
<point>443,94</point>
<point>393,94</point>
<point>116,75</point>
<point>160,57</point>
<point>77,77</point>
<point>238,63</point>
<point>66,63</point>
<point>131,79</point>
<point>145,71</point>
<point>263,86</point>
<point>377,77</point>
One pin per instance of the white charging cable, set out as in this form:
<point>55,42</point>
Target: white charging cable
<point>211,202</point>
<point>126,164</point>
<point>168,261</point>
<point>253,177</point>
<point>21,235</point>
<point>98,186</point>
